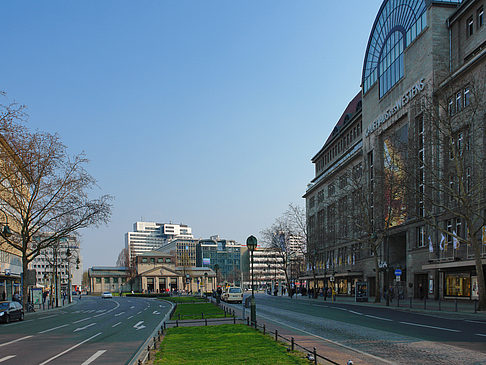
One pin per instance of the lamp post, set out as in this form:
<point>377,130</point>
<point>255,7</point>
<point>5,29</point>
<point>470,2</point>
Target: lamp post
<point>251,243</point>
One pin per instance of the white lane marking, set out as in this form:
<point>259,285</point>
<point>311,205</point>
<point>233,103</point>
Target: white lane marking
<point>100,311</point>
<point>139,312</point>
<point>155,312</point>
<point>7,358</point>
<point>375,317</point>
<point>341,309</point>
<point>116,324</point>
<point>94,357</point>
<point>17,340</point>
<point>53,315</point>
<point>69,349</point>
<point>132,307</point>
<point>82,320</point>
<point>111,310</point>
<point>480,334</point>
<point>139,326</point>
<point>119,314</point>
<point>130,317</point>
<point>468,320</point>
<point>330,341</point>
<point>358,313</point>
<point>83,328</point>
<point>433,327</point>
<point>53,329</point>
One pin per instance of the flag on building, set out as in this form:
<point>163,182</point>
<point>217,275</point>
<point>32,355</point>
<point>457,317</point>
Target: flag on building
<point>441,244</point>
<point>455,241</point>
<point>431,246</point>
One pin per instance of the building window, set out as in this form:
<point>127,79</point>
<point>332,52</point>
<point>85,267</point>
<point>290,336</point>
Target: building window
<point>421,236</point>
<point>115,280</point>
<point>480,17</point>
<point>320,196</point>
<point>98,280</point>
<point>468,180</point>
<point>467,96</point>
<point>458,102</point>
<point>391,62</point>
<point>330,189</point>
<point>312,202</point>
<point>470,27</point>
<point>450,107</point>
<point>144,260</point>
<point>160,260</point>
<point>107,280</point>
<point>421,166</point>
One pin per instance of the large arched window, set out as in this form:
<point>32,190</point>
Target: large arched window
<point>396,26</point>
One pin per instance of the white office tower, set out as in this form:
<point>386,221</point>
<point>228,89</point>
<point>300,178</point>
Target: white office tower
<point>149,236</point>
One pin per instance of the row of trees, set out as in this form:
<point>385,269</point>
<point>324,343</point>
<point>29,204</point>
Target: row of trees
<point>45,192</point>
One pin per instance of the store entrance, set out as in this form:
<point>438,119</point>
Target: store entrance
<point>421,286</point>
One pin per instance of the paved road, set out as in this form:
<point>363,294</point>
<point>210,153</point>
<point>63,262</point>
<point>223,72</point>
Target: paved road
<point>92,331</point>
<point>388,334</point>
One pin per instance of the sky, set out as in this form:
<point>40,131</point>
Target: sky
<point>200,112</point>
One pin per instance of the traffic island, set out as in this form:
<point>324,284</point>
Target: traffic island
<point>223,344</point>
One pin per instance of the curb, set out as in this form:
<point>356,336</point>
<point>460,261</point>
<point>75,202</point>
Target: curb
<point>141,354</point>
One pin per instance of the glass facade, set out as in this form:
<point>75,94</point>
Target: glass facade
<point>458,285</point>
<point>397,25</point>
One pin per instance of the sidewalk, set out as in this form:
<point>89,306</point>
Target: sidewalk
<point>449,307</point>
<point>54,308</point>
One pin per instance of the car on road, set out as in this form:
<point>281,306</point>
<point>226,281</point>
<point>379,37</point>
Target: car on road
<point>107,294</point>
<point>233,294</point>
<point>10,311</point>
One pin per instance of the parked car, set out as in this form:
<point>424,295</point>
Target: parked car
<point>107,294</point>
<point>10,311</point>
<point>233,294</point>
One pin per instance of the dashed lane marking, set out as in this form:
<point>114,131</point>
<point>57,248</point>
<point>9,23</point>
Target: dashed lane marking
<point>119,314</point>
<point>83,328</point>
<point>433,327</point>
<point>53,329</point>
<point>94,357</point>
<point>480,334</point>
<point>381,318</point>
<point>69,349</point>
<point>82,320</point>
<point>116,324</point>
<point>130,317</point>
<point>17,340</point>
<point>7,358</point>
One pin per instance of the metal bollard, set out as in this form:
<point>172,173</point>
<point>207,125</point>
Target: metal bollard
<point>206,321</point>
<point>264,328</point>
<point>177,323</point>
<point>292,343</point>
<point>276,335</point>
<point>202,315</point>
<point>247,321</point>
<point>234,320</point>
<point>139,362</point>
<point>315,356</point>
<point>148,352</point>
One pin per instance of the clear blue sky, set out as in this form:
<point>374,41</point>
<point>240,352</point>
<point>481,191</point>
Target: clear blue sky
<point>198,112</point>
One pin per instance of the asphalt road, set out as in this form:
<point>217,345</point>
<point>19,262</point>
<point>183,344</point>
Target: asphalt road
<point>391,335</point>
<point>92,331</point>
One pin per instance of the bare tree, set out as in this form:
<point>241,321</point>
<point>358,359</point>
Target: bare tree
<point>283,235</point>
<point>44,191</point>
<point>447,172</point>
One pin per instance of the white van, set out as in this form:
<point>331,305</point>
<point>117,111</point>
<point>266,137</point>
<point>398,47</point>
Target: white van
<point>233,294</point>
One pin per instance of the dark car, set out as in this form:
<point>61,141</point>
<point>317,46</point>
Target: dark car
<point>10,311</point>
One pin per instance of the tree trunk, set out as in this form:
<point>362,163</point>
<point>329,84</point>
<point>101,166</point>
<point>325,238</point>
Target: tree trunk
<point>480,273</point>
<point>377,281</point>
<point>25,287</point>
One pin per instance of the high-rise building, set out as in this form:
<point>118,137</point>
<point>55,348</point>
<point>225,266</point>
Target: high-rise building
<point>226,254</point>
<point>149,236</point>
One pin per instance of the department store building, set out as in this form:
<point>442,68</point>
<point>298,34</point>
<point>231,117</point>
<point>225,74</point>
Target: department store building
<point>422,122</point>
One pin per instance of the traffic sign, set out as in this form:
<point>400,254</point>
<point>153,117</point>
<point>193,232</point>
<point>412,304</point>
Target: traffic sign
<point>398,272</point>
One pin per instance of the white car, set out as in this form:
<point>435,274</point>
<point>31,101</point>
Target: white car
<point>106,294</point>
<point>233,294</point>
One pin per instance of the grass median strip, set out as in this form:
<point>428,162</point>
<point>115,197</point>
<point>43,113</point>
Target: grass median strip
<point>185,299</point>
<point>194,310</point>
<point>224,344</point>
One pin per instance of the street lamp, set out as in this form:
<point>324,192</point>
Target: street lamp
<point>68,256</point>
<point>251,243</point>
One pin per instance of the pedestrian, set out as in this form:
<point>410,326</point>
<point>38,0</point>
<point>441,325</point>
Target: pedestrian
<point>44,297</point>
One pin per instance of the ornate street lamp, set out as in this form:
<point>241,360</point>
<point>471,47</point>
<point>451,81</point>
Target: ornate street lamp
<point>251,243</point>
